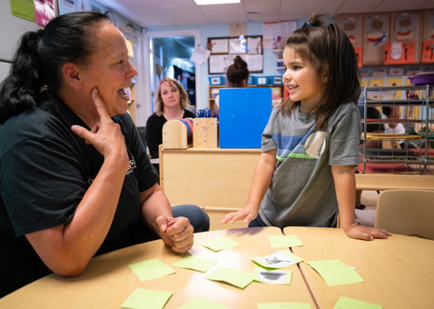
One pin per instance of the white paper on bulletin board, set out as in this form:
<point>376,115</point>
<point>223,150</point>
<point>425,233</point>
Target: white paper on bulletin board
<point>218,64</point>
<point>254,62</point>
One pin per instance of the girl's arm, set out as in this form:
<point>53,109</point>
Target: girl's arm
<point>262,176</point>
<point>345,184</point>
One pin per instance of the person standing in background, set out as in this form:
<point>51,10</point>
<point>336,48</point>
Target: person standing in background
<point>237,76</point>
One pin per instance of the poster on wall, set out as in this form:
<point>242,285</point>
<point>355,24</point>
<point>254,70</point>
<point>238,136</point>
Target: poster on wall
<point>23,9</point>
<point>68,4</point>
<point>44,11</point>
<point>276,32</point>
<point>83,5</point>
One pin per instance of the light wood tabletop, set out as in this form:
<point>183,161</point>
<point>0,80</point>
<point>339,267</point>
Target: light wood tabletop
<point>108,281</point>
<point>398,272</point>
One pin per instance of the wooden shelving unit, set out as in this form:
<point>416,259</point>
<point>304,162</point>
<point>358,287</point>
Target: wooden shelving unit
<point>211,100</point>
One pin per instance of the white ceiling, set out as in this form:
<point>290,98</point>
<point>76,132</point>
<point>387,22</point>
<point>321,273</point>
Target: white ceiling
<point>178,13</point>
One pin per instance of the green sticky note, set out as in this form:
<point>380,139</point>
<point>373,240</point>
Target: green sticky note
<point>147,299</point>
<point>278,260</point>
<point>200,303</point>
<point>195,263</point>
<point>272,276</point>
<point>23,9</point>
<point>237,277</point>
<point>151,269</point>
<point>219,244</point>
<point>350,303</point>
<point>334,272</point>
<point>284,241</point>
<point>284,306</point>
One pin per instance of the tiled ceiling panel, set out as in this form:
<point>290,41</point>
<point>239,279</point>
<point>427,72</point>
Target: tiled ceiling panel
<point>294,9</point>
<point>358,6</point>
<point>427,5</point>
<point>183,15</point>
<point>268,11</point>
<point>398,5</point>
<point>225,13</point>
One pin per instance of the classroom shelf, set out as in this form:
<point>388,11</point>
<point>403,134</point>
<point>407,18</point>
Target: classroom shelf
<point>415,158</point>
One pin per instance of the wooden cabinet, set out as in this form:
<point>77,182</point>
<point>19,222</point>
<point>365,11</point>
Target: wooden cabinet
<point>213,92</point>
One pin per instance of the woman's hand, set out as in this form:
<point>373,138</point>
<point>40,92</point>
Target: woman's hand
<point>247,214</point>
<point>106,136</point>
<point>176,233</point>
<point>366,233</point>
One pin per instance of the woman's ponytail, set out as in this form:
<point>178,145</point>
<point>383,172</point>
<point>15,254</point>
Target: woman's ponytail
<point>24,80</point>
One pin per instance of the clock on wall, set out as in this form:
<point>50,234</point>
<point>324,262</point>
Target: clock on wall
<point>112,17</point>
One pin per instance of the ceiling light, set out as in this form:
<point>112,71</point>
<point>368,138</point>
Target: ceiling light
<point>207,2</point>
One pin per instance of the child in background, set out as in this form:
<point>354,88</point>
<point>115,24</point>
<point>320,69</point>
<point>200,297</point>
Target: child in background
<point>393,114</point>
<point>305,174</point>
<point>237,75</point>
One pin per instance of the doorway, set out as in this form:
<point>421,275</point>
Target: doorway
<point>169,55</point>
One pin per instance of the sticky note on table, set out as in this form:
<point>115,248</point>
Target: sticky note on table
<point>196,263</point>
<point>272,276</point>
<point>284,241</point>
<point>200,303</point>
<point>334,272</point>
<point>147,299</point>
<point>151,269</point>
<point>277,260</point>
<point>350,303</point>
<point>237,277</point>
<point>284,306</point>
<point>219,244</point>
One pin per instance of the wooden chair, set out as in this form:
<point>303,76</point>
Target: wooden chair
<point>407,212</point>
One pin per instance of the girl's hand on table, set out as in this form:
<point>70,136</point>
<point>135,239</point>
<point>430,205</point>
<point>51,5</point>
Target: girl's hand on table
<point>247,214</point>
<point>176,233</point>
<point>366,233</point>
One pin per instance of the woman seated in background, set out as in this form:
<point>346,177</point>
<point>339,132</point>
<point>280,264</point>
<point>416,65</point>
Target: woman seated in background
<point>75,179</point>
<point>237,75</point>
<point>171,103</point>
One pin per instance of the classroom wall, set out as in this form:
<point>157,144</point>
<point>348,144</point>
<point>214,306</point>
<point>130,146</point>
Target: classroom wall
<point>222,30</point>
<point>11,29</point>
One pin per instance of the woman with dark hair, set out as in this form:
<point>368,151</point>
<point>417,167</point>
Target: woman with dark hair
<point>237,75</point>
<point>75,180</point>
<point>171,103</point>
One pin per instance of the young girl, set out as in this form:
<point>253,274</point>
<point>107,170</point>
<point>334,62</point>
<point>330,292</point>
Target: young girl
<point>310,145</point>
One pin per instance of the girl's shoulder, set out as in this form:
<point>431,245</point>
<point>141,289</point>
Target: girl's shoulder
<point>345,109</point>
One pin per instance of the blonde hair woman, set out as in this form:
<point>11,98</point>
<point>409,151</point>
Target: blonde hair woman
<point>171,103</point>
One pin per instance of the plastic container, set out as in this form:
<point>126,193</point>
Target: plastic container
<point>262,80</point>
<point>424,78</point>
<point>251,80</point>
<point>275,80</point>
<point>217,80</point>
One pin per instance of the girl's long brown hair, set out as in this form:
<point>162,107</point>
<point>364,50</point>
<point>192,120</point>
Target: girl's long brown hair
<point>327,48</point>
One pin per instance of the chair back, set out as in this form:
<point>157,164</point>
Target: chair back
<point>406,212</point>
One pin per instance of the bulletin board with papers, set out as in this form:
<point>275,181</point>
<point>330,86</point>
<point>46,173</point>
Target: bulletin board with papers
<point>224,50</point>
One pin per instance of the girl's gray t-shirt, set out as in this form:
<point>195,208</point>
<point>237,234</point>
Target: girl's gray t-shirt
<point>302,191</point>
